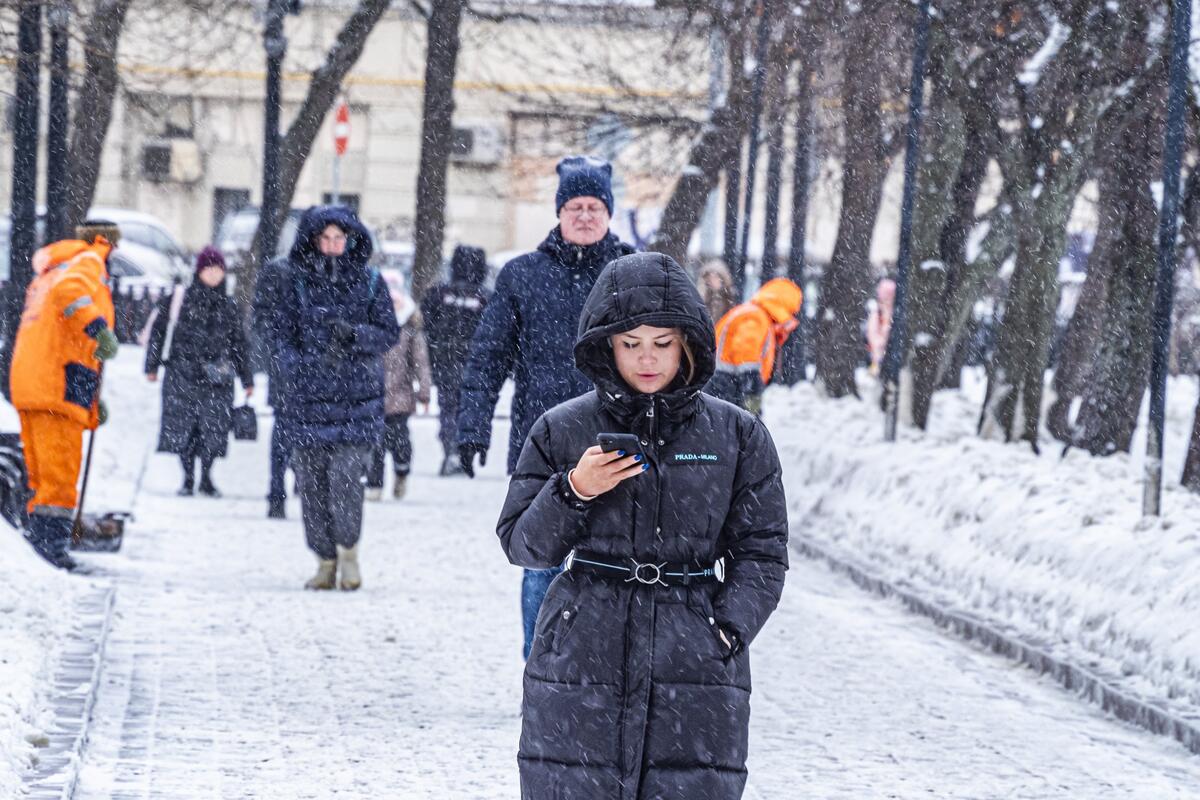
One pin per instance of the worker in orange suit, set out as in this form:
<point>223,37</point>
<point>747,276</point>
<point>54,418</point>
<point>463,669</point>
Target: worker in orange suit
<point>749,337</point>
<point>66,332</point>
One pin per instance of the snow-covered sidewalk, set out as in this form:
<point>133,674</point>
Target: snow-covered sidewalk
<point>225,679</point>
<point>1053,549</point>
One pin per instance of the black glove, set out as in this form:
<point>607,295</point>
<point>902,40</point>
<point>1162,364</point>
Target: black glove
<point>466,457</point>
<point>341,332</point>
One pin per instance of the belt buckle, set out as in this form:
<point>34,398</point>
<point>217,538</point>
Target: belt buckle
<point>635,574</point>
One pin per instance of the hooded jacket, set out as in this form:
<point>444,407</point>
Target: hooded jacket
<point>54,366</point>
<point>333,393</point>
<point>749,336</point>
<point>451,312</point>
<point>525,332</point>
<point>629,692</point>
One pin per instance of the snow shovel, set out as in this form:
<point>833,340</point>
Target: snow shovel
<point>91,533</point>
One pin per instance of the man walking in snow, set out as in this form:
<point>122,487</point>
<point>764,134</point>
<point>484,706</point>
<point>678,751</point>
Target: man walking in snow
<point>528,331</point>
<point>66,332</point>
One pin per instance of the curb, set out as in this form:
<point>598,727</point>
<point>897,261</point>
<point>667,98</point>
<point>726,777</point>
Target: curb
<point>1122,704</point>
<point>76,680</point>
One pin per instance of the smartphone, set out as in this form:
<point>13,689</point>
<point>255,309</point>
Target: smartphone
<point>612,442</point>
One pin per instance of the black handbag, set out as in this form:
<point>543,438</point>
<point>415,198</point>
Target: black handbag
<point>245,424</point>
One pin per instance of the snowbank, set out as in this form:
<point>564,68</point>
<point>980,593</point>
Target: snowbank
<point>35,615</point>
<point>1053,548</point>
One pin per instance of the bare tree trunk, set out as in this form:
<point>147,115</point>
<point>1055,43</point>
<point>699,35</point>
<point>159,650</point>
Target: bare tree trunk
<point>94,105</point>
<point>846,285</point>
<point>323,88</point>
<point>441,64</point>
<point>1121,369</point>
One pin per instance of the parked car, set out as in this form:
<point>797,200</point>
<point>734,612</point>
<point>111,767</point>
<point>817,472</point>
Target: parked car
<point>236,236</point>
<point>145,241</point>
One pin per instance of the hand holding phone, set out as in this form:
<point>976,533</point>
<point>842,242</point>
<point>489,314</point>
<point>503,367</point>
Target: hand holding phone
<point>608,463</point>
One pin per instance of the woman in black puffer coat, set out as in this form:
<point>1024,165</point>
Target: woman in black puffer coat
<point>638,685</point>
<point>206,351</point>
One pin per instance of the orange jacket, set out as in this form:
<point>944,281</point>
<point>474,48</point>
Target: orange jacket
<point>749,335</point>
<point>54,366</point>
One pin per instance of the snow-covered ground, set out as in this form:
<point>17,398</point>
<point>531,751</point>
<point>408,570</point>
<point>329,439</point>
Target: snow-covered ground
<point>225,679</point>
<point>1053,548</point>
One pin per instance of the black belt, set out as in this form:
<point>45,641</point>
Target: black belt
<point>650,573</point>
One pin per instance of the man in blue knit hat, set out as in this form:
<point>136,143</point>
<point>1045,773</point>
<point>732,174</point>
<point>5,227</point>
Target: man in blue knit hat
<point>528,330</point>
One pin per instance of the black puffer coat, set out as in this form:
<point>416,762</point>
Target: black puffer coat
<point>451,312</point>
<point>629,693</point>
<point>208,349</point>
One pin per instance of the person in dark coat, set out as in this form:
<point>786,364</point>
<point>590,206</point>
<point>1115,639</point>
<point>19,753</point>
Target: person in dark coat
<point>526,332</point>
<point>638,685</point>
<point>333,321</point>
<point>451,312</point>
<point>197,335</point>
<point>265,317</point>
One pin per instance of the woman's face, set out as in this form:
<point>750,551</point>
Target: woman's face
<point>648,358</point>
<point>212,276</point>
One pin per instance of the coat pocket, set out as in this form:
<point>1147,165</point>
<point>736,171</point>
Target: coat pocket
<point>704,612</point>
<point>81,385</point>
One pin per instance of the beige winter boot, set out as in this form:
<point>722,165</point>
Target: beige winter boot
<point>326,575</point>
<point>350,578</point>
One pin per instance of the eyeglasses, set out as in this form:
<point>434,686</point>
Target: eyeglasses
<point>579,210</point>
<point>337,238</point>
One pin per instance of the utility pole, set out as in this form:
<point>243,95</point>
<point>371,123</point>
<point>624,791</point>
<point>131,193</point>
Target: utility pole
<point>756,103</point>
<point>275,44</point>
<point>792,361</point>
<point>57,168</point>
<point>898,338</point>
<point>23,235</point>
<point>1168,228</point>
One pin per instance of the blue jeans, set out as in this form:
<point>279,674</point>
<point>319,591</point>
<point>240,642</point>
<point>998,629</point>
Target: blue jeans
<point>534,586</point>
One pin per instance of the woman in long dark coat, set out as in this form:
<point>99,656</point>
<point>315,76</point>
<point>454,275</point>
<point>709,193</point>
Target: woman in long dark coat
<point>638,685</point>
<point>205,352</point>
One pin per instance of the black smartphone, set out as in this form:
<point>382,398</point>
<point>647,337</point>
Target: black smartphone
<point>612,442</point>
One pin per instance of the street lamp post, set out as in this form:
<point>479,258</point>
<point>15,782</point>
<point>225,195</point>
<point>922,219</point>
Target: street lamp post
<point>898,339</point>
<point>1168,228</point>
<point>756,104</point>
<point>275,44</point>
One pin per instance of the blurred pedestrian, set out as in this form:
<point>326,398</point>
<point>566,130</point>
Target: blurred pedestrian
<point>332,323</point>
<point>66,332</point>
<point>451,312</point>
<point>639,680</point>
<point>527,331</point>
<point>404,365</point>
<point>197,335</point>
<point>748,338</point>
<point>716,288</point>
<point>879,322</point>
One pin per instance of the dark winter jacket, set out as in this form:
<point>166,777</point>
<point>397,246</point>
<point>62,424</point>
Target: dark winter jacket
<point>329,325</point>
<point>452,312</point>
<point>207,350</point>
<point>527,331</point>
<point>629,692</point>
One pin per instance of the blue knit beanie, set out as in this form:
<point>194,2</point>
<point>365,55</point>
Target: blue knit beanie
<point>584,176</point>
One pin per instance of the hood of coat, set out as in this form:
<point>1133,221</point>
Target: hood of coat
<point>643,289</point>
<point>358,239</point>
<point>587,257</point>
<point>56,254</point>
<point>779,297</point>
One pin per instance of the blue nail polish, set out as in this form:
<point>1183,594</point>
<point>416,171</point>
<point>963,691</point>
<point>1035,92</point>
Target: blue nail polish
<point>620,452</point>
<point>645,467</point>
<point>638,457</point>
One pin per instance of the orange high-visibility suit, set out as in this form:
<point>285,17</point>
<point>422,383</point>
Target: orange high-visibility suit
<point>749,337</point>
<point>55,378</point>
